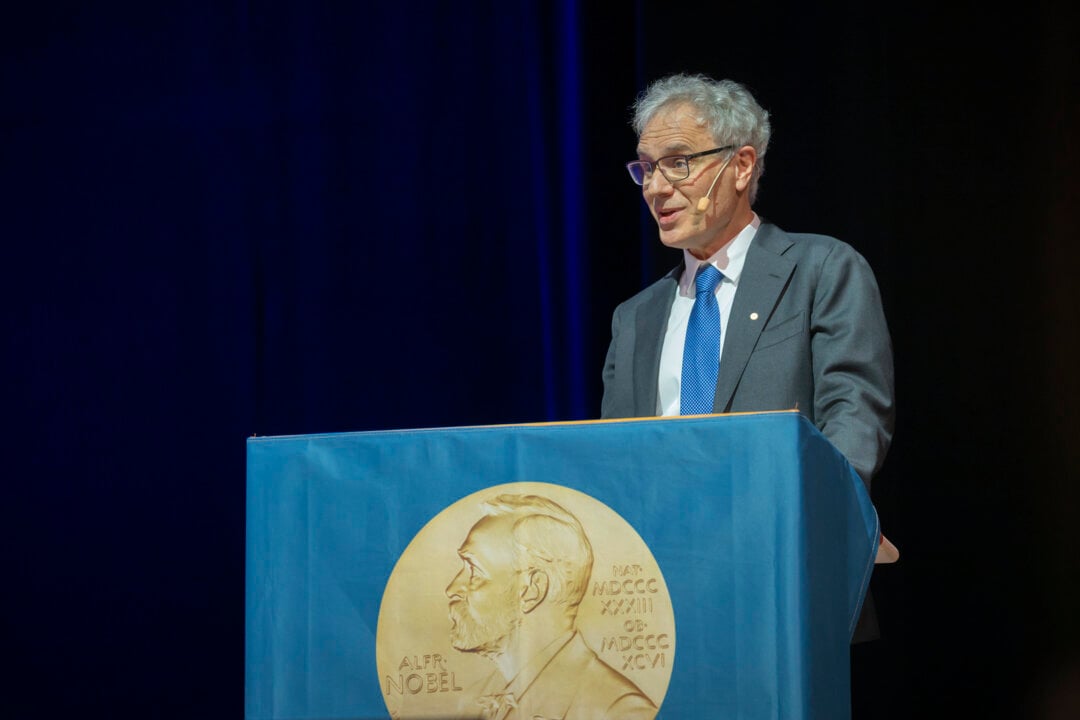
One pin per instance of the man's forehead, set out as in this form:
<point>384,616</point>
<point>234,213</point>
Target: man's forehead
<point>673,129</point>
<point>486,535</point>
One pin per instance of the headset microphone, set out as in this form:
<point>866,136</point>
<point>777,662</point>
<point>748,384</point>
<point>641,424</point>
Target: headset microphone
<point>703,203</point>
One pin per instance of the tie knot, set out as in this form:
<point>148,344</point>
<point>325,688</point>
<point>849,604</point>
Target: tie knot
<point>708,278</point>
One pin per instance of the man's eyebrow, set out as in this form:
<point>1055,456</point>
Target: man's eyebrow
<point>679,148</point>
<point>469,557</point>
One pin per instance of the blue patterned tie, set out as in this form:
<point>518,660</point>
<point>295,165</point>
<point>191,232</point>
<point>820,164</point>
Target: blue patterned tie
<point>701,354</point>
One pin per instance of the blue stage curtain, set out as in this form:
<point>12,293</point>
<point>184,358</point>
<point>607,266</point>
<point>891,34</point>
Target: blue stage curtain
<point>223,219</point>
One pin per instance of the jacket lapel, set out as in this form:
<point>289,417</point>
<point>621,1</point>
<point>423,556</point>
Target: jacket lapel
<point>764,277</point>
<point>554,690</point>
<point>650,327</point>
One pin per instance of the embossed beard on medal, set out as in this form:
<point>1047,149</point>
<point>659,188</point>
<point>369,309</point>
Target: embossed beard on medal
<point>526,600</point>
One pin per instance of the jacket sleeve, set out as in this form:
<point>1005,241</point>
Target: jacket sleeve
<point>614,402</point>
<point>852,361</point>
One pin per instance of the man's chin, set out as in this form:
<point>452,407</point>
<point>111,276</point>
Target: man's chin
<point>484,641</point>
<point>468,646</point>
<point>673,240</point>
<point>694,243</point>
<point>678,235</point>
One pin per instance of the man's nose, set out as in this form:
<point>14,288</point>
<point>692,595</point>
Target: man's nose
<point>453,590</point>
<point>657,184</point>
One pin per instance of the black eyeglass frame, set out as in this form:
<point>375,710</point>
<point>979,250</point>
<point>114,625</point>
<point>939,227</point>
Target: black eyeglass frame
<point>655,164</point>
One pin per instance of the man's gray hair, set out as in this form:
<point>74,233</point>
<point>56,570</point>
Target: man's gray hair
<point>547,537</point>
<point>725,107</point>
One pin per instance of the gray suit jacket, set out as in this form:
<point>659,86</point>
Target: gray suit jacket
<point>806,331</point>
<point>575,685</point>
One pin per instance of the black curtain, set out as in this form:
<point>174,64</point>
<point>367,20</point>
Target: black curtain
<point>230,219</point>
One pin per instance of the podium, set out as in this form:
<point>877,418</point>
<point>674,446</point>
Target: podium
<point>730,556</point>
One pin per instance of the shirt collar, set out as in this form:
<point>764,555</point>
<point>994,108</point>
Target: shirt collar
<point>728,259</point>
<point>535,665</point>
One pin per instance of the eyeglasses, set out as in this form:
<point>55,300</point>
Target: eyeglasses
<point>672,167</point>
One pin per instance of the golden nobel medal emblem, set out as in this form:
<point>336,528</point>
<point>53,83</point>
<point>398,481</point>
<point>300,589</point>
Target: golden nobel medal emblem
<point>525,600</point>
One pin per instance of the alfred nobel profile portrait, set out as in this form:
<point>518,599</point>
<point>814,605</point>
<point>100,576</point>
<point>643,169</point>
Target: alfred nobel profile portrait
<point>525,569</point>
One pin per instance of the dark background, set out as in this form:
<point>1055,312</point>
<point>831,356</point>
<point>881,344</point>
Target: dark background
<point>230,218</point>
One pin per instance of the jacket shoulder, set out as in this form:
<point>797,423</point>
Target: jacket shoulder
<point>809,245</point>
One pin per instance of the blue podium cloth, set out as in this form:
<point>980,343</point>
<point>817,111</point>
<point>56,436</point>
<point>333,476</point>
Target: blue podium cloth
<point>763,533</point>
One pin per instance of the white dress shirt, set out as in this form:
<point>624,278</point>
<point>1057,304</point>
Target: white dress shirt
<point>729,261</point>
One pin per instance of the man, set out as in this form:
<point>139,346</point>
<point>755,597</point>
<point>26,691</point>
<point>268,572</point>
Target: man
<point>795,320</point>
<point>526,568</point>
<point>799,322</point>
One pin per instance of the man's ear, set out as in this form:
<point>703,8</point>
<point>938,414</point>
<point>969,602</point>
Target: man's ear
<point>744,161</point>
<point>534,592</point>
